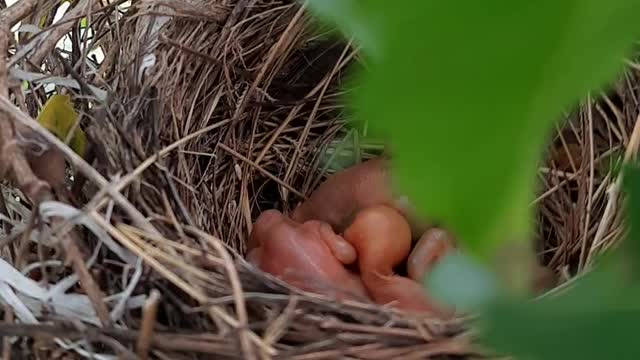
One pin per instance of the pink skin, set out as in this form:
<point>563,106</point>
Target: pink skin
<point>309,256</point>
<point>338,199</point>
<point>433,245</point>
<point>382,238</point>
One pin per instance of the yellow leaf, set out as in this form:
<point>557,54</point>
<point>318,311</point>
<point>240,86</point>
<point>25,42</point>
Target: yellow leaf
<point>59,116</point>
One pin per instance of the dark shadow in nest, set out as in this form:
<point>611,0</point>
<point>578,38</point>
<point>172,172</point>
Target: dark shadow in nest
<point>306,69</point>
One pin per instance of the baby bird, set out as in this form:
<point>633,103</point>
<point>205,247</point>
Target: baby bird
<point>309,255</point>
<point>433,245</point>
<point>382,238</point>
<point>343,194</point>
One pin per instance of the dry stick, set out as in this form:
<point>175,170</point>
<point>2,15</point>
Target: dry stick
<point>7,226</point>
<point>335,324</point>
<point>6,340</point>
<point>261,169</point>
<point>568,177</point>
<point>78,162</point>
<point>285,40</point>
<point>565,147</point>
<point>129,178</point>
<point>236,286</point>
<point>622,133</point>
<point>176,245</point>
<point>587,218</point>
<point>166,341</point>
<point>167,257</point>
<point>247,75</point>
<point>238,10</point>
<point>276,329</point>
<point>282,42</point>
<point>14,13</point>
<point>448,346</point>
<point>294,111</point>
<point>197,295</point>
<point>245,206</point>
<point>445,347</point>
<point>28,47</point>
<point>614,191</point>
<point>88,284</point>
<point>312,116</point>
<point>13,160</point>
<point>149,313</point>
<point>47,45</point>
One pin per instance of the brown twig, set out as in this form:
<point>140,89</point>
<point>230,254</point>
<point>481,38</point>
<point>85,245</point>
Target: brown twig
<point>16,12</point>
<point>13,161</point>
<point>76,160</point>
<point>261,169</point>
<point>6,340</point>
<point>165,341</point>
<point>148,322</point>
<point>49,43</point>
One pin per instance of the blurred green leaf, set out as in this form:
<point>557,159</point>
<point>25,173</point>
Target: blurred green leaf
<point>83,23</point>
<point>595,320</point>
<point>631,247</point>
<point>356,18</point>
<point>462,282</point>
<point>467,91</point>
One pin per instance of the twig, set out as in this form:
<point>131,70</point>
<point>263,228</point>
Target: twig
<point>587,217</point>
<point>148,322</point>
<point>312,116</point>
<point>276,329</point>
<point>275,51</point>
<point>614,191</point>
<point>85,278</point>
<point>14,13</point>
<point>6,224</point>
<point>78,162</point>
<point>13,161</point>
<point>129,178</point>
<point>196,294</point>
<point>238,293</point>
<point>165,341</point>
<point>261,169</point>
<point>311,96</point>
<point>6,340</point>
<point>48,44</point>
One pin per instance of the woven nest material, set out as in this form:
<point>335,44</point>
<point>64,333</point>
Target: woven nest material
<point>216,111</point>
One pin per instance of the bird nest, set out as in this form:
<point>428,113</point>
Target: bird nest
<point>200,115</point>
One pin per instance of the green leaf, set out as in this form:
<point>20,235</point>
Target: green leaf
<point>466,93</point>
<point>462,282</point>
<point>631,247</point>
<point>354,17</point>
<point>596,320</point>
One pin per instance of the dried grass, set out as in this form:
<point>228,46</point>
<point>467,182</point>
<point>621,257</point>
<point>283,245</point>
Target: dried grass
<point>217,111</point>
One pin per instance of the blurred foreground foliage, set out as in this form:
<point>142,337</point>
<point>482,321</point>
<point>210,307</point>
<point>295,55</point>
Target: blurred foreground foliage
<point>466,94</point>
